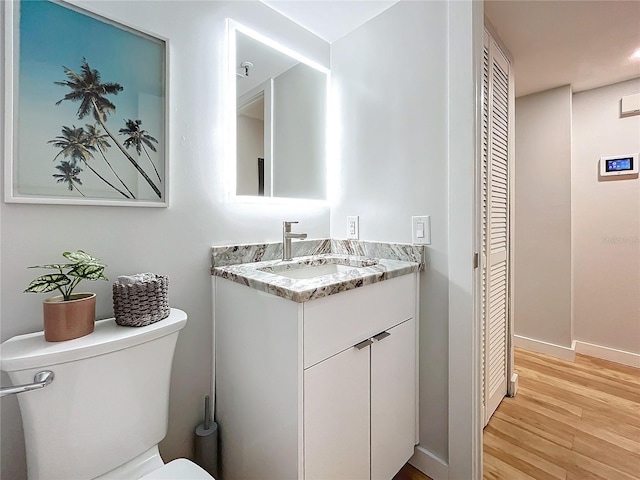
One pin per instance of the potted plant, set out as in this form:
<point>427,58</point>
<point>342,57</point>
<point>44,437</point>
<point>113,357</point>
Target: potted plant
<point>70,315</point>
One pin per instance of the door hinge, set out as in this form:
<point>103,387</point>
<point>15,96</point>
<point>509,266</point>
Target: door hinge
<point>476,259</point>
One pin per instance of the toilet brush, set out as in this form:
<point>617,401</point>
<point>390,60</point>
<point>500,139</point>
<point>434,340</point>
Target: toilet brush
<point>206,442</point>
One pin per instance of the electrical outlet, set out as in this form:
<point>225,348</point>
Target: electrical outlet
<point>421,230</point>
<point>353,228</point>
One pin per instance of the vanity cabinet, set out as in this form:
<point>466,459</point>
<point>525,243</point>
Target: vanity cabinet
<point>359,408</point>
<point>324,389</point>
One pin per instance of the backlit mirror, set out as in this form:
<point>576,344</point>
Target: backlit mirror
<point>281,110</point>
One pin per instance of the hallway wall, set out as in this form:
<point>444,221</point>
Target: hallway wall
<point>606,222</point>
<point>542,230</point>
<point>577,236</point>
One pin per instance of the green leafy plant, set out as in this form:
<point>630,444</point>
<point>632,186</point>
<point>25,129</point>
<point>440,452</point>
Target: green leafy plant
<point>81,266</point>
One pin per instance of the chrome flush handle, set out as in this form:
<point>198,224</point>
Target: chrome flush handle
<point>40,380</point>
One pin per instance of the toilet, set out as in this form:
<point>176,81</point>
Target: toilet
<point>107,407</point>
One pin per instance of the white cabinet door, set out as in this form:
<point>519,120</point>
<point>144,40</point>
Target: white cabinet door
<point>393,399</point>
<point>336,417</point>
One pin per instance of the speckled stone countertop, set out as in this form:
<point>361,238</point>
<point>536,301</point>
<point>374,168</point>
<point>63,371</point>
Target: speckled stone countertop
<point>258,266</point>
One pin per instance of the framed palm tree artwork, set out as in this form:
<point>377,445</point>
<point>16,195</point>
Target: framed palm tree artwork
<point>86,105</point>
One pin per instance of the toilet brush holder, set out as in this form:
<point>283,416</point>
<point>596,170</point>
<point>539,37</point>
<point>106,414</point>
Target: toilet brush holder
<point>206,442</point>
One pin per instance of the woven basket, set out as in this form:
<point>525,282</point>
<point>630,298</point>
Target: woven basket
<point>140,304</point>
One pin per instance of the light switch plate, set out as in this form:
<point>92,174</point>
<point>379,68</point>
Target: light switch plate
<point>421,230</point>
<point>353,228</point>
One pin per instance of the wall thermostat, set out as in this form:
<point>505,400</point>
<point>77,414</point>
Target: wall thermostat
<point>619,165</point>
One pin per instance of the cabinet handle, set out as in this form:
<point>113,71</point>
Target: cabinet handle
<point>381,336</point>
<point>363,344</point>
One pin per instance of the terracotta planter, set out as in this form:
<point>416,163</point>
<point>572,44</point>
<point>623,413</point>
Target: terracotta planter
<point>68,320</point>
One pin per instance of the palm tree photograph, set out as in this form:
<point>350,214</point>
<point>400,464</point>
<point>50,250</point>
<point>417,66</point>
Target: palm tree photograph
<point>91,103</point>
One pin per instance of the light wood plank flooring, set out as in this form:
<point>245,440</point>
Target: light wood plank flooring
<point>410,473</point>
<point>569,421</point>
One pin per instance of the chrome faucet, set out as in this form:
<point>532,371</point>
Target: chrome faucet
<point>286,239</point>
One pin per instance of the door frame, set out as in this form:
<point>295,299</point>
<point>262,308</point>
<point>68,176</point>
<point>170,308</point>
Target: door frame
<point>465,42</point>
<point>466,25</point>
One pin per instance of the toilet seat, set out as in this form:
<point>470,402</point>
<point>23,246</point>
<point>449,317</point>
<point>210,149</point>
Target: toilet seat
<point>180,469</point>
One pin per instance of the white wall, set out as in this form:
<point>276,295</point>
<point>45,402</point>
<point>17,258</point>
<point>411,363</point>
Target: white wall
<point>542,230</point>
<point>176,240</point>
<point>606,222</point>
<point>390,79</point>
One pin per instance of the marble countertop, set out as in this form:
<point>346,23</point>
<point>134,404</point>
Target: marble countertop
<point>263,275</point>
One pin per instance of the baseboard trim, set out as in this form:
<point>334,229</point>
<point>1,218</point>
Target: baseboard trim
<point>565,353</point>
<point>429,464</point>
<point>558,351</point>
<point>607,353</point>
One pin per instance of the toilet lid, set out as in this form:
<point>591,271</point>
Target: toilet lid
<point>180,469</point>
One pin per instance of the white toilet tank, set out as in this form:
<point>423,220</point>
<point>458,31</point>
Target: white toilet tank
<point>108,402</point>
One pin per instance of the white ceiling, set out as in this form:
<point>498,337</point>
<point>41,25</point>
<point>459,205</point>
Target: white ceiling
<point>329,19</point>
<point>267,62</point>
<point>585,44</point>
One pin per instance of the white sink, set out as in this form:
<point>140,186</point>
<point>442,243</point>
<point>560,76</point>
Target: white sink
<point>312,269</point>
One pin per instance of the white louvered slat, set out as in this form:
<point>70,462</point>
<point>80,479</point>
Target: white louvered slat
<point>484,204</point>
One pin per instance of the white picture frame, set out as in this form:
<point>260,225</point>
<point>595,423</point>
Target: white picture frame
<point>65,146</point>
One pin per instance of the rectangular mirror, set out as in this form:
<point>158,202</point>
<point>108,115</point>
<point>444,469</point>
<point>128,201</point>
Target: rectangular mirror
<point>281,113</point>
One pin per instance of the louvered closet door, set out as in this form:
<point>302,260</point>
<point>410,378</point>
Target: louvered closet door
<point>495,228</point>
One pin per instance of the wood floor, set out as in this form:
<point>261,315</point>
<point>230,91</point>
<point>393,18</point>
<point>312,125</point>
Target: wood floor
<point>410,473</point>
<point>569,421</point>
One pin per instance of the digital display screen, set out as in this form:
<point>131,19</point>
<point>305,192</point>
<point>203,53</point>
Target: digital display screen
<point>619,164</point>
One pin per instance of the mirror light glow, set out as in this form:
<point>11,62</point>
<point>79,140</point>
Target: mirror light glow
<point>231,115</point>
